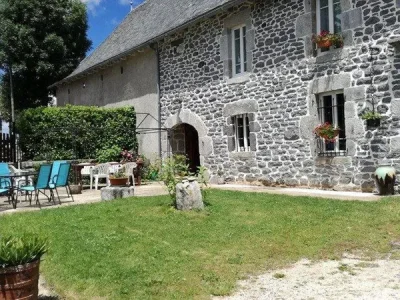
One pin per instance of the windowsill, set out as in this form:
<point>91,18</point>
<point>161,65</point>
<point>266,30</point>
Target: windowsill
<point>242,155</point>
<point>332,55</point>
<point>240,78</point>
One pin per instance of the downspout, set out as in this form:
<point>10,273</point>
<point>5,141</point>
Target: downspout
<point>159,100</point>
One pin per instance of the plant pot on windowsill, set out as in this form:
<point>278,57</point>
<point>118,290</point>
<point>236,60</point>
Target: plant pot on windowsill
<point>19,277</point>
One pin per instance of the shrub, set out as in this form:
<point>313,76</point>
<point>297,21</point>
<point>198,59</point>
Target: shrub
<point>108,154</point>
<point>15,251</point>
<point>75,132</point>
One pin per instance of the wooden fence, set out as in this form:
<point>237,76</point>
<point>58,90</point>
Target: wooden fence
<point>9,150</point>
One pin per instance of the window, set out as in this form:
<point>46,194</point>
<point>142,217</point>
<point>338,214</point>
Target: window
<point>331,110</point>
<point>328,17</point>
<point>239,57</point>
<point>242,132</point>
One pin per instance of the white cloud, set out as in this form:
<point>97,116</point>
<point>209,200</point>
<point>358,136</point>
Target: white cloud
<point>92,4</point>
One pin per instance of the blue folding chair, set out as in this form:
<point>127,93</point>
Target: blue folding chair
<point>61,180</point>
<point>55,168</point>
<point>5,183</point>
<point>42,183</point>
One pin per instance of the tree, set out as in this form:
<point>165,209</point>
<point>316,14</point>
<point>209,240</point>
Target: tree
<point>42,41</point>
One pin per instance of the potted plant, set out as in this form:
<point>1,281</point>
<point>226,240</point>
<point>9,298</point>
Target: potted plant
<point>373,118</point>
<point>19,266</point>
<point>119,178</point>
<point>326,39</point>
<point>221,178</point>
<point>327,131</point>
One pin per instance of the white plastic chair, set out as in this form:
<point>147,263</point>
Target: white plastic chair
<point>129,167</point>
<point>99,171</point>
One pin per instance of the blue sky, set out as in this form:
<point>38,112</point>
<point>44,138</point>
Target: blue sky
<point>104,16</point>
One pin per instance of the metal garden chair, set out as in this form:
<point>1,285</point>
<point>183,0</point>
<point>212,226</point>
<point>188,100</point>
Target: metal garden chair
<point>61,180</point>
<point>42,183</point>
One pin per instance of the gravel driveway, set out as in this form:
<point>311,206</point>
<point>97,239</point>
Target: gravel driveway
<point>344,279</point>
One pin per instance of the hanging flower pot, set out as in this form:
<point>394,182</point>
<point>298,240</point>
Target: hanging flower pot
<point>326,40</point>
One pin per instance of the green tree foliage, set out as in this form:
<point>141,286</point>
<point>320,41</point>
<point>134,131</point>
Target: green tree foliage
<point>44,40</point>
<point>75,132</point>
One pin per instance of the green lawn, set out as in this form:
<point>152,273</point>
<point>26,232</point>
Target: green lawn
<point>141,248</point>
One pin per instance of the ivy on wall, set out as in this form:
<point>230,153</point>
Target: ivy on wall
<point>74,132</point>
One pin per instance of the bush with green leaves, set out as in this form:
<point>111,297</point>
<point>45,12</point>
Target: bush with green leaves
<point>108,154</point>
<point>75,132</point>
<point>15,251</point>
<point>173,170</point>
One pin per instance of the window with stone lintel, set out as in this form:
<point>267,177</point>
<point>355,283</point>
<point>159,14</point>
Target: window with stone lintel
<point>242,132</point>
<point>239,57</point>
<point>328,17</point>
<point>331,110</point>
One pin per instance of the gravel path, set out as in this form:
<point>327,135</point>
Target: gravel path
<point>344,279</point>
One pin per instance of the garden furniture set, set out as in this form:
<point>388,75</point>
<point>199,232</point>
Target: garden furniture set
<point>50,177</point>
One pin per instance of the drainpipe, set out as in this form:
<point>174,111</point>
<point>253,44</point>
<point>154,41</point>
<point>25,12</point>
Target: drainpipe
<point>159,100</point>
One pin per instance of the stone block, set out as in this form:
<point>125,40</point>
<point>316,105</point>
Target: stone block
<point>231,143</point>
<point>291,134</point>
<point>188,196</point>
<point>350,109</point>
<point>348,38</point>
<point>253,142</point>
<point>352,19</point>
<point>307,125</point>
<point>254,127</point>
<point>395,107</point>
<point>354,128</point>
<point>356,94</point>
<point>229,130</point>
<point>116,192</point>
<point>395,144</point>
<point>250,41</point>
<point>307,6</point>
<point>304,25</point>
<point>332,55</point>
<point>330,83</point>
<point>241,17</point>
<point>351,147</point>
<point>345,4</point>
<point>240,107</point>
<point>206,145</point>
<point>225,45</point>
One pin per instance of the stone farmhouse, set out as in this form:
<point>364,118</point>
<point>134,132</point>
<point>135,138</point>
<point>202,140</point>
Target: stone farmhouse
<point>239,86</point>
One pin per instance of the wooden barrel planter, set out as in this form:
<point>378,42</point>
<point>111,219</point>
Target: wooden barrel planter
<point>20,282</point>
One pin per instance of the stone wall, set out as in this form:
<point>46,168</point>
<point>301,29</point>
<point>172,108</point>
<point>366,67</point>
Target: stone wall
<point>286,75</point>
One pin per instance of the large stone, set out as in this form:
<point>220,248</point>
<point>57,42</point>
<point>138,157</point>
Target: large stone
<point>114,192</point>
<point>188,196</point>
<point>330,83</point>
<point>304,25</point>
<point>352,18</point>
<point>354,128</point>
<point>240,107</point>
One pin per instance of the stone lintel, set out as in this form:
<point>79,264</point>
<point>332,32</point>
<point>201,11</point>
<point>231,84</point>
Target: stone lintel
<point>240,107</point>
<point>330,83</point>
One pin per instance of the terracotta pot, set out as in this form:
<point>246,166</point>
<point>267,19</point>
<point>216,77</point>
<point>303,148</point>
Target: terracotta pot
<point>324,44</point>
<point>20,282</point>
<point>119,181</point>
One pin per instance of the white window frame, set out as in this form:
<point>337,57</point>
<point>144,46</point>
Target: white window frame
<point>242,50</point>
<point>330,15</point>
<point>246,141</point>
<point>335,115</point>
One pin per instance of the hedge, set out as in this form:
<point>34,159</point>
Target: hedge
<point>74,132</point>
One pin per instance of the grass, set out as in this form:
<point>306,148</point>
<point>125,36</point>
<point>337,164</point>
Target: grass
<point>141,248</point>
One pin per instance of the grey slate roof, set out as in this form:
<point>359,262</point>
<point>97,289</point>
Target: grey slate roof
<point>146,23</point>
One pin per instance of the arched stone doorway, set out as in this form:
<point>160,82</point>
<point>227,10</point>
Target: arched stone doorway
<point>185,140</point>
